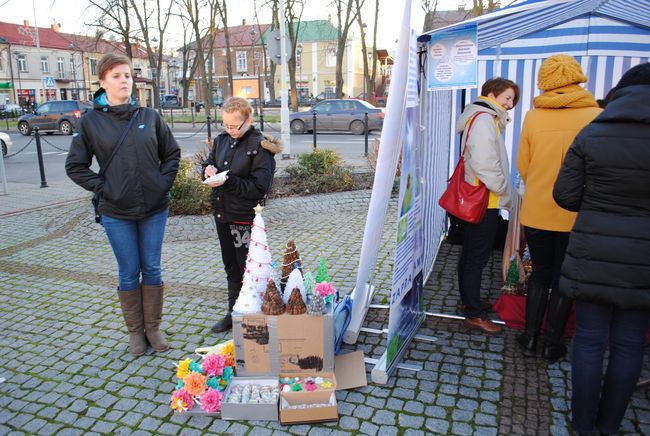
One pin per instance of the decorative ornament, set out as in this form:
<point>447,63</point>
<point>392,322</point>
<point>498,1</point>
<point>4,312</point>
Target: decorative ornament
<point>321,273</point>
<point>327,385</point>
<point>291,256</point>
<point>295,281</point>
<point>272,304</point>
<point>195,384</point>
<point>316,305</point>
<point>310,283</point>
<point>181,401</point>
<point>296,305</point>
<point>213,364</point>
<point>326,290</point>
<point>183,368</point>
<point>248,300</point>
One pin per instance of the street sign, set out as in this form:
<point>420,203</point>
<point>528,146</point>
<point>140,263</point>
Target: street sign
<point>273,44</point>
<point>49,82</point>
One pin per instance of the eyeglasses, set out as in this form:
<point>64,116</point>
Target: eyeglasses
<point>227,127</point>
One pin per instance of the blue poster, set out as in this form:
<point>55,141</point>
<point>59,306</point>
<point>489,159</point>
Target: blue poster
<point>453,58</point>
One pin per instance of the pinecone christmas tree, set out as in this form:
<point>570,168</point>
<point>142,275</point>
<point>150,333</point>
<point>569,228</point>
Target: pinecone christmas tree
<point>296,305</point>
<point>291,256</point>
<point>272,304</point>
<point>295,281</point>
<point>321,273</point>
<point>316,305</point>
<point>258,262</point>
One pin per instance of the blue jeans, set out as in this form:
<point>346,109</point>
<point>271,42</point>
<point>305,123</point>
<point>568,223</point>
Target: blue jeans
<point>137,245</point>
<point>598,326</point>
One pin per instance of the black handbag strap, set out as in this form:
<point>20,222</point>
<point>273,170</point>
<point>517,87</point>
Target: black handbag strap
<point>102,171</point>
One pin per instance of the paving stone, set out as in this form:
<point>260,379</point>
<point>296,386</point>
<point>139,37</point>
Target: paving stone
<point>349,423</point>
<point>104,427</point>
<point>368,428</point>
<point>410,420</point>
<point>384,417</point>
<point>149,424</point>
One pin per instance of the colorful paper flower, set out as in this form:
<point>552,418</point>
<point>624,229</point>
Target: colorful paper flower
<point>213,382</point>
<point>327,384</point>
<point>195,367</point>
<point>325,289</point>
<point>310,386</point>
<point>195,383</point>
<point>180,384</point>
<point>296,387</point>
<point>211,401</point>
<point>228,373</point>
<point>181,401</point>
<point>229,348</point>
<point>213,364</point>
<point>183,368</point>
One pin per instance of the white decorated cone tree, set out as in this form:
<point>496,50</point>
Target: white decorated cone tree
<point>295,281</point>
<point>258,262</point>
<point>289,262</point>
<point>248,300</point>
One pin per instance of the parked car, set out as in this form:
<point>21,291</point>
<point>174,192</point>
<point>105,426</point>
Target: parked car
<point>217,101</point>
<point>57,115</point>
<point>380,100</point>
<point>342,114</point>
<point>5,143</point>
<point>170,101</point>
<point>10,110</point>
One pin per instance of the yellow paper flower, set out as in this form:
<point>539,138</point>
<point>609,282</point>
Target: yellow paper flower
<point>179,405</point>
<point>229,348</point>
<point>327,384</point>
<point>183,368</point>
<point>195,384</point>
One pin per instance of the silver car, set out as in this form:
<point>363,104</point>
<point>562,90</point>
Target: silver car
<point>5,143</point>
<point>342,114</point>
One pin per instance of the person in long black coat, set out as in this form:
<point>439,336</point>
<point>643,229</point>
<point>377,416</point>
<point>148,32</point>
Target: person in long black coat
<point>606,179</point>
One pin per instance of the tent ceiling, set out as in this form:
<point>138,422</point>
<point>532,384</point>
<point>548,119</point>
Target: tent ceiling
<point>530,16</point>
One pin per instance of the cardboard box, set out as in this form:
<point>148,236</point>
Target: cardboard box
<point>270,345</point>
<point>350,373</point>
<point>239,411</point>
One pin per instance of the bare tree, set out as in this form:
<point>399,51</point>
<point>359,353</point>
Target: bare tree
<point>345,16</point>
<point>293,17</point>
<point>222,9</point>
<point>188,69</point>
<point>160,16</point>
<point>275,24</point>
<point>481,7</point>
<point>203,34</point>
<point>113,18</point>
<point>369,71</point>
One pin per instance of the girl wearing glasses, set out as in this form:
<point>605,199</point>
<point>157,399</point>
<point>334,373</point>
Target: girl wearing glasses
<point>248,156</point>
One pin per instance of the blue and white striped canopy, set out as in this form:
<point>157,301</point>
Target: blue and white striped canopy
<point>607,37</point>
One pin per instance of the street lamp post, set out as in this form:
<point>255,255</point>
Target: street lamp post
<point>74,74</point>
<point>259,96</point>
<point>20,85</point>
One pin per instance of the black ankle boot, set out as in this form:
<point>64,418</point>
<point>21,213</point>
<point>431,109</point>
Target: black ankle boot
<point>536,300</point>
<point>224,325</point>
<point>559,309</point>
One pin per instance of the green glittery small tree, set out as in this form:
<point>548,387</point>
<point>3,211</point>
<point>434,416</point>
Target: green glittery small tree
<point>310,282</point>
<point>321,273</point>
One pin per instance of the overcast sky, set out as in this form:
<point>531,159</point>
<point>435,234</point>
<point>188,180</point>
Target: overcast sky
<point>73,15</point>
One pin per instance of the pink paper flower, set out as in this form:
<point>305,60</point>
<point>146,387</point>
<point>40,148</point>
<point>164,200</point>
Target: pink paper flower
<point>181,401</point>
<point>325,289</point>
<point>213,364</point>
<point>211,401</point>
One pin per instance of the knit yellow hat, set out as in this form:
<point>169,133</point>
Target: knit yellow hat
<point>558,71</point>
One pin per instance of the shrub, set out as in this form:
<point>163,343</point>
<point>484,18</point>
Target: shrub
<point>373,154</point>
<point>188,195</point>
<point>319,171</point>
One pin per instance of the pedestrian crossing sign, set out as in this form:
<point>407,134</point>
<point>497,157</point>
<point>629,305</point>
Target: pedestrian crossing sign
<point>48,82</point>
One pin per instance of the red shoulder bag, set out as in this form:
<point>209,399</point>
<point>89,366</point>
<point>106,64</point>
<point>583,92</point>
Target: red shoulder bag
<point>461,199</point>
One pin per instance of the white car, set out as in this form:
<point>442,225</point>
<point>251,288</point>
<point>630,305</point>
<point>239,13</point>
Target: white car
<point>5,142</point>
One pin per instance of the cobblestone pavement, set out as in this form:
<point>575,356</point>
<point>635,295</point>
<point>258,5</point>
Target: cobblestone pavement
<point>67,369</point>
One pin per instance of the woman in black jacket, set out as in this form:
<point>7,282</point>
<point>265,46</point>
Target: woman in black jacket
<point>606,179</point>
<point>248,156</point>
<point>135,177</point>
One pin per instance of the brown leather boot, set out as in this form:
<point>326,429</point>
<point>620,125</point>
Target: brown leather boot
<point>483,324</point>
<point>152,305</point>
<point>131,303</point>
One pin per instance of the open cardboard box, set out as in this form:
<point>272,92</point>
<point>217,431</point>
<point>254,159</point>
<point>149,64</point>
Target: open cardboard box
<point>261,411</point>
<point>350,373</point>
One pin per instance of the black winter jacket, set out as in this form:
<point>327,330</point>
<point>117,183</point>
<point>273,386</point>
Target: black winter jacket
<point>606,179</point>
<point>137,181</point>
<point>251,164</point>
